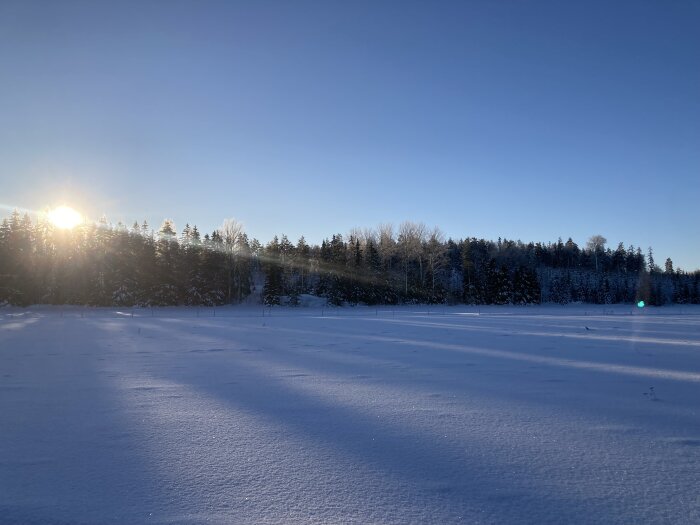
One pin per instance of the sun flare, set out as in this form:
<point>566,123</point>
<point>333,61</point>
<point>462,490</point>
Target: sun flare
<point>65,217</point>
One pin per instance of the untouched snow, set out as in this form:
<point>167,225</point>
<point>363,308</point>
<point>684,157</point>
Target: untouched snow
<point>354,415</point>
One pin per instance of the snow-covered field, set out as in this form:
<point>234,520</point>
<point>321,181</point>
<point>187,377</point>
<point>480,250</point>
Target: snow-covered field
<point>357,415</point>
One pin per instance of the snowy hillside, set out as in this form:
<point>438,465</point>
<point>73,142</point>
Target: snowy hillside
<point>355,415</point>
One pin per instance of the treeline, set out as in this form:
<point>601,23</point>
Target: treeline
<point>413,264</point>
<point>103,264</point>
<point>100,264</point>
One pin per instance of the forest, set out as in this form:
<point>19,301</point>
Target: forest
<point>102,264</point>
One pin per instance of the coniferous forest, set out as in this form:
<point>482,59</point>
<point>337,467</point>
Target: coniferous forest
<point>102,264</point>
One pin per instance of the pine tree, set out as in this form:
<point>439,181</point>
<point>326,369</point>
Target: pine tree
<point>526,289</point>
<point>374,289</point>
<point>302,264</point>
<point>286,258</point>
<point>273,274</point>
<point>167,254</point>
<point>242,275</point>
<point>668,267</point>
<point>213,271</point>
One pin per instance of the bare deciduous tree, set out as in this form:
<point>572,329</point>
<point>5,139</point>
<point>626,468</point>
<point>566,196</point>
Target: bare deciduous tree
<point>410,241</point>
<point>435,250</point>
<point>386,244</point>
<point>231,231</point>
<point>596,244</point>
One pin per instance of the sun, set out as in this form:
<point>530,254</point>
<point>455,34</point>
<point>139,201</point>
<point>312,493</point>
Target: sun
<point>65,217</point>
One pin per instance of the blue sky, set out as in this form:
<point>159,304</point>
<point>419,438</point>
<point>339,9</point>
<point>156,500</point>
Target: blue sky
<point>525,120</point>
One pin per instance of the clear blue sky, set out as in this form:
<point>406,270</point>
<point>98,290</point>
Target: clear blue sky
<point>523,119</point>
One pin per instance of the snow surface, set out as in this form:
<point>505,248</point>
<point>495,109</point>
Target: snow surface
<point>353,415</point>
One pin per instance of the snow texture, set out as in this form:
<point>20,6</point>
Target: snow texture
<point>357,415</point>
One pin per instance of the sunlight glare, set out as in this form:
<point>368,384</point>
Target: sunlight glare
<point>65,217</point>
